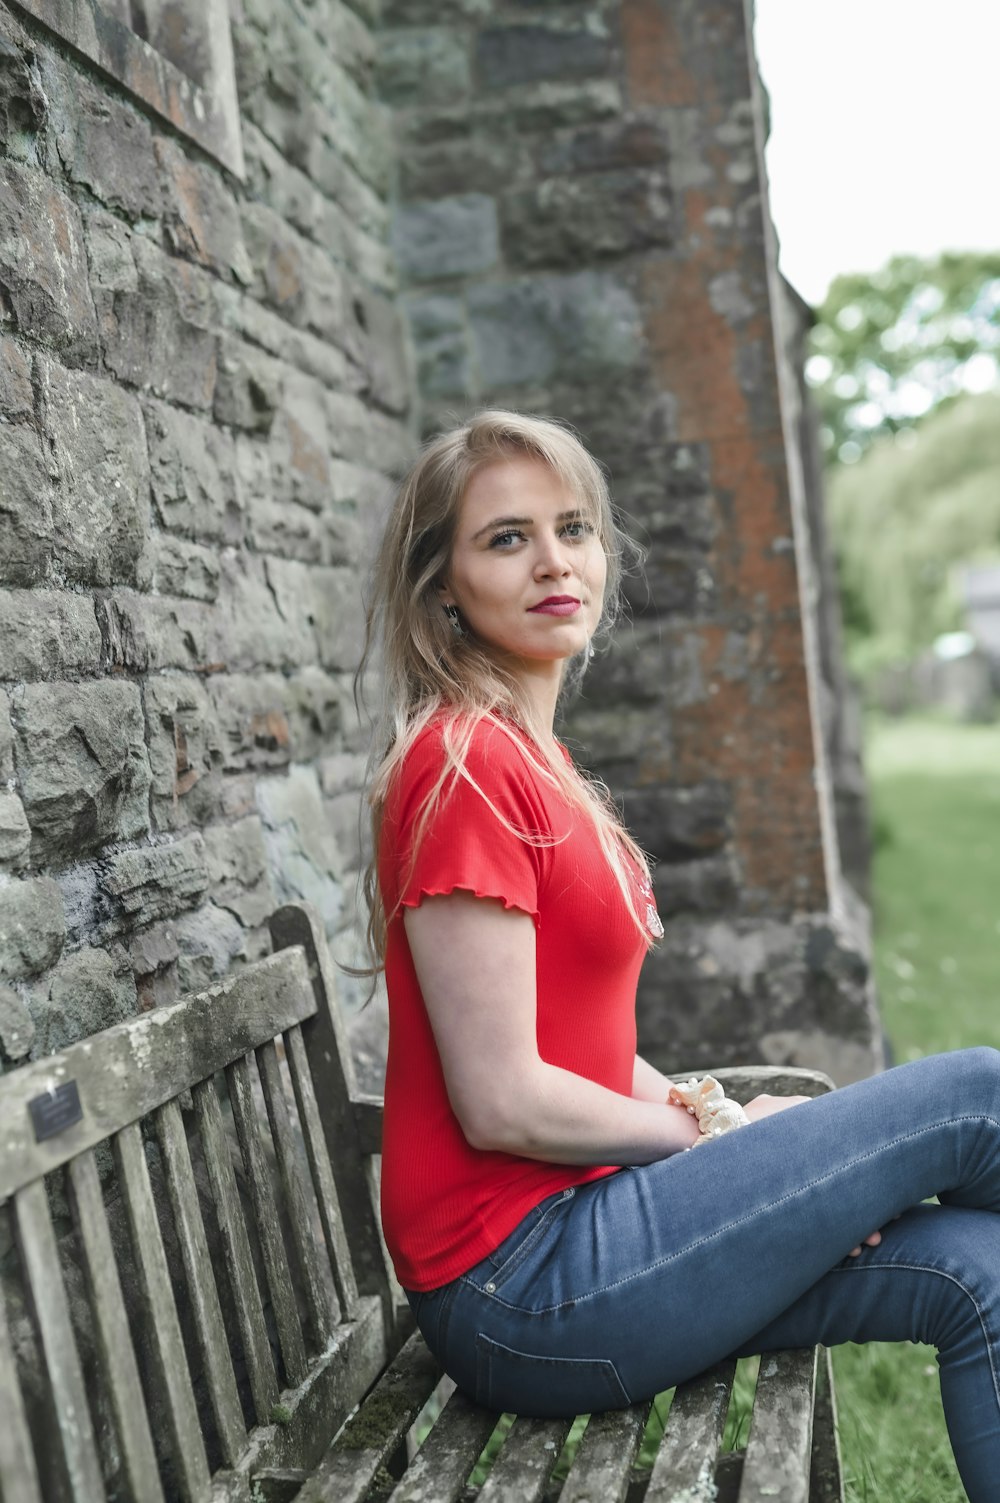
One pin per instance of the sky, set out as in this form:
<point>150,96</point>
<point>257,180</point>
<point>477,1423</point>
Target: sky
<point>885,119</point>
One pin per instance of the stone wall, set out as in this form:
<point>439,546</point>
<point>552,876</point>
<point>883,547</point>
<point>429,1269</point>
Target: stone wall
<point>203,387</point>
<point>582,229</point>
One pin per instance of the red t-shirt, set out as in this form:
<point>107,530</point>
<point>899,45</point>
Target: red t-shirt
<point>445,1204</point>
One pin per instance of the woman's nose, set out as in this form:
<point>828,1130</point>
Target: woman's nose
<point>553,557</point>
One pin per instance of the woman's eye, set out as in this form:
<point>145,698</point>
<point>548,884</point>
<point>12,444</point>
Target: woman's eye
<point>580,529</point>
<point>503,540</point>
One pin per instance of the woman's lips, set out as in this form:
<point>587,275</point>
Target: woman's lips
<point>556,605</point>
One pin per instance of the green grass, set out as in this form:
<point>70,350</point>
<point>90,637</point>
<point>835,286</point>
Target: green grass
<point>936,801</point>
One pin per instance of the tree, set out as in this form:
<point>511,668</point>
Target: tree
<point>889,348</point>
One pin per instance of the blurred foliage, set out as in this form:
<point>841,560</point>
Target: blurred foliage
<point>916,505</point>
<point>888,348</point>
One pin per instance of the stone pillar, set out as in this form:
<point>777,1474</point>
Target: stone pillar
<point>582,230</point>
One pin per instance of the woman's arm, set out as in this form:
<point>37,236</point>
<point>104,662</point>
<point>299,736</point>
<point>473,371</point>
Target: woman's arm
<point>475,961</point>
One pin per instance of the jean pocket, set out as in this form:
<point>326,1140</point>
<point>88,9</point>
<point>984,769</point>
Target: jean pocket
<point>545,1387</point>
<point>523,1239</point>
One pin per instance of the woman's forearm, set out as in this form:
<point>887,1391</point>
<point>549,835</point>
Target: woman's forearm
<point>551,1114</point>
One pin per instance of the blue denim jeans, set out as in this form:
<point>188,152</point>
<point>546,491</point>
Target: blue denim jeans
<point>613,1291</point>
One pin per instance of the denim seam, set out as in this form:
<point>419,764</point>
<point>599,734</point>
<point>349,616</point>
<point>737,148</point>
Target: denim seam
<point>649,1268</point>
<point>862,1267</point>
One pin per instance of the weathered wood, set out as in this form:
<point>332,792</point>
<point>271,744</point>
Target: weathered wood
<point>279,1280</point>
<point>322,1174</point>
<point>187,1446</point>
<point>18,1472</point>
<point>685,1462</point>
<point>189,1040</point>
<point>266,1221</point>
<point>372,1435</point>
<point>826,1482</point>
<point>333,1077</point>
<point>217,1363</point>
<point>441,1467</point>
<point>113,1335</point>
<point>40,1258</point>
<point>236,1249</point>
<point>742,1082</point>
<point>368,1114</point>
<point>522,1469</point>
<point>603,1463</point>
<point>776,1469</point>
<point>303,1212</point>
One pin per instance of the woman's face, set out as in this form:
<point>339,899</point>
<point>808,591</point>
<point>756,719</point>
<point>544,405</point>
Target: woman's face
<point>527,570</point>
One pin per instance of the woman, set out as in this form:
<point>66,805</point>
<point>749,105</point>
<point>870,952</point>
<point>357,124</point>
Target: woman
<point>560,1249</point>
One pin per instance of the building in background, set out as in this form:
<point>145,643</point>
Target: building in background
<point>243,264</point>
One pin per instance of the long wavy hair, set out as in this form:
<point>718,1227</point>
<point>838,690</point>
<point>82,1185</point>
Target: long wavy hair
<point>425,670</point>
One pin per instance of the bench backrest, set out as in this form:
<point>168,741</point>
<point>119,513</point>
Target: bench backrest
<point>195,1271</point>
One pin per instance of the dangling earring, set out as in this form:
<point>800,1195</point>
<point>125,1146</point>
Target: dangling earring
<point>591,652</point>
<point>454,620</point>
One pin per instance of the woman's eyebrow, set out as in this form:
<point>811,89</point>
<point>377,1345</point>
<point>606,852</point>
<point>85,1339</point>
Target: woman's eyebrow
<point>573,514</point>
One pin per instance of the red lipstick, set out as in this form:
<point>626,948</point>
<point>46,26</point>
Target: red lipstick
<point>557,605</point>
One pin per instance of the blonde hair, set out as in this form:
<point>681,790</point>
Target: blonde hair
<point>427,670</point>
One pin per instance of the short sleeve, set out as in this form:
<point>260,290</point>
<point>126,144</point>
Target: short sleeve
<point>489,834</point>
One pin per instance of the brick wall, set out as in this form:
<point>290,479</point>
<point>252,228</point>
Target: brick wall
<point>203,387</point>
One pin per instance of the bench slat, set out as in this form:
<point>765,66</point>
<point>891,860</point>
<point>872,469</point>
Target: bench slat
<point>186,1443</point>
<point>279,1279</point>
<point>114,1337</point>
<point>236,1248</point>
<point>189,1040</point>
<point>40,1257</point>
<point>18,1473</point>
<point>685,1463</point>
<point>522,1469</point>
<point>602,1465</point>
<point>303,1213</point>
<point>441,1467</point>
<point>319,1164</point>
<point>371,1436</point>
<point>776,1469</point>
<point>213,1345</point>
<point>826,1484</point>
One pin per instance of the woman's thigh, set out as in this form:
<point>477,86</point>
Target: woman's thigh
<point>663,1269</point>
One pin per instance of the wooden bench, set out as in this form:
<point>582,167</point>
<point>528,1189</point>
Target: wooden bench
<point>196,1298</point>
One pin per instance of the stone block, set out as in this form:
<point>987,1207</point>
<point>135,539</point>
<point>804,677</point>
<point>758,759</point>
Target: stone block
<point>135,888</point>
<point>300,444</point>
<point>492,154</point>
<point>32,927</point>
<point>414,66</point>
<point>361,433</point>
<point>382,350</point>
<point>26,517</point>
<point>201,218</point>
<point>142,633</point>
<point>622,144</point>
<point>15,832</point>
<point>541,329</point>
<point>46,634</point>
<point>314,704</point>
<point>237,869</point>
<point>303,857</point>
<point>524,54</point>
<point>432,12</point>
<point>6,742</point>
<point>81,760</point>
<point>43,264</point>
<point>17,403</point>
<point>679,824</point>
<point>90,990</point>
<point>338,612</point>
<point>211,943</point>
<point>104,143</point>
<point>155,320</point>
<point>192,467</point>
<point>247,387</point>
<point>288,530</point>
<point>708,886</point>
<point>252,714</point>
<point>437,325</point>
<point>17,1029</point>
<point>101,500</point>
<point>261,626</point>
<point>569,221</point>
<point>185,750</point>
<point>23,104</point>
<point>446,238</point>
<point>182,568</point>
